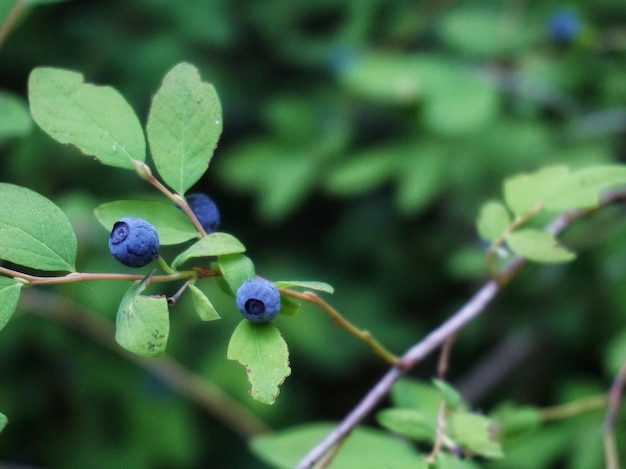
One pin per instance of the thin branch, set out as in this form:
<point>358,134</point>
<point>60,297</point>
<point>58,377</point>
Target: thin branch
<point>472,309</point>
<point>11,20</point>
<point>182,380</point>
<point>337,318</point>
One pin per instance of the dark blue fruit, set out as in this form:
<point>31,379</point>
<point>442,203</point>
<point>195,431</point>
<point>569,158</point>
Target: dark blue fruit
<point>205,211</point>
<point>134,242</point>
<point>564,26</point>
<point>258,300</point>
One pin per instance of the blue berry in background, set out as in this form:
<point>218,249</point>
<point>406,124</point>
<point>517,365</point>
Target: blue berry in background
<point>134,242</point>
<point>258,300</point>
<point>205,211</point>
<point>564,25</point>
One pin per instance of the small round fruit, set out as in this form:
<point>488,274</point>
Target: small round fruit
<point>134,242</point>
<point>564,26</point>
<point>205,211</point>
<point>258,300</point>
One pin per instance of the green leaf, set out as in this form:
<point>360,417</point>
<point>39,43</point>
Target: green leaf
<point>203,305</point>
<point>34,232</point>
<point>236,269</point>
<point>319,286</point>
<point>15,120</point>
<point>417,395</point>
<point>410,423</point>
<point>263,351</point>
<point>516,421</point>
<point>451,396</point>
<point>493,219</point>
<point>524,192</point>
<point>143,322</point>
<point>171,223</point>
<point>288,306</point>
<point>364,448</point>
<point>214,244</point>
<point>3,421</point>
<point>475,432</point>
<point>538,246</point>
<point>9,296</point>
<point>96,119</point>
<point>184,125</point>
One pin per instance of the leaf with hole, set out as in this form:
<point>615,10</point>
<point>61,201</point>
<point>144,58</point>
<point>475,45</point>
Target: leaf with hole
<point>34,232</point>
<point>95,119</point>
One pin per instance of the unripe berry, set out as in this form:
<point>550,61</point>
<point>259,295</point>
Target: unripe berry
<point>134,242</point>
<point>258,300</point>
<point>205,211</point>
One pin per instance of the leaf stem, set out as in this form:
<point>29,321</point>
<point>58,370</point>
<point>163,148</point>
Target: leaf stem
<point>11,20</point>
<point>574,408</point>
<point>164,265</point>
<point>341,321</point>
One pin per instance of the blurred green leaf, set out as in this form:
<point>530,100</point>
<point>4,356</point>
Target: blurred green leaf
<point>409,423</point>
<point>411,394</point>
<point>476,432</point>
<point>9,296</point>
<point>96,119</point>
<point>309,285</point>
<point>235,269</point>
<point>15,120</point>
<point>514,422</point>
<point>214,244</point>
<point>493,219</point>
<point>184,125</point>
<point>263,351</point>
<point>202,304</point>
<point>172,225</point>
<point>365,448</point>
<point>143,322</point>
<point>3,421</point>
<point>34,232</point>
<point>524,192</point>
<point>538,246</point>
<point>450,395</point>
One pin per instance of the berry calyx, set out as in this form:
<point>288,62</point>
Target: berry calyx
<point>134,242</point>
<point>205,211</point>
<point>258,300</point>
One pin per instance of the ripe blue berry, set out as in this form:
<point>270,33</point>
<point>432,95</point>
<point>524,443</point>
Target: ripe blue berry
<point>564,25</point>
<point>258,300</point>
<point>205,211</point>
<point>134,242</point>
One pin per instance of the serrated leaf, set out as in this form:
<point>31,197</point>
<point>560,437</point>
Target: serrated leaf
<point>143,323</point>
<point>410,423</point>
<point>9,296</point>
<point>310,285</point>
<point>524,192</point>
<point>263,351</point>
<point>15,120</point>
<point>475,432</point>
<point>202,304</point>
<point>3,421</point>
<point>184,125</point>
<point>493,219</point>
<point>171,223</point>
<point>365,448</point>
<point>538,246</point>
<point>236,269</point>
<point>451,396</point>
<point>96,119</point>
<point>214,244</point>
<point>34,232</point>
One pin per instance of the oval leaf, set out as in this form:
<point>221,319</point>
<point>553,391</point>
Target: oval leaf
<point>523,192</point>
<point>96,119</point>
<point>15,121</point>
<point>184,125</point>
<point>171,223</point>
<point>493,220</point>
<point>263,351</point>
<point>214,244</point>
<point>3,421</point>
<point>319,286</point>
<point>143,323</point>
<point>34,232</point>
<point>236,269</point>
<point>538,246</point>
<point>476,432</point>
<point>410,423</point>
<point>202,304</point>
<point>9,295</point>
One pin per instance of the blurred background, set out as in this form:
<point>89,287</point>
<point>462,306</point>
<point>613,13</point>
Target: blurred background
<point>360,139</point>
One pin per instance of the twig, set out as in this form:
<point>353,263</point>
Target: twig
<point>614,398</point>
<point>11,20</point>
<point>472,309</point>
<point>341,321</point>
<point>184,381</point>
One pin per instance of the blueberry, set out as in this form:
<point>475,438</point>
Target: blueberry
<point>258,300</point>
<point>134,242</point>
<point>564,25</point>
<point>205,211</point>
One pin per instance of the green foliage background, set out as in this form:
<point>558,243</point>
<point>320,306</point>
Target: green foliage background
<point>360,139</point>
